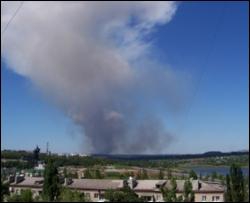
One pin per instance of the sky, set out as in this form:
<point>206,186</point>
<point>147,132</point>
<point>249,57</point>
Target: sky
<point>203,48</point>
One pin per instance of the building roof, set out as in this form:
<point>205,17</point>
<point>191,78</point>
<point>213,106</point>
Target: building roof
<point>211,187</point>
<point>198,186</point>
<point>148,185</point>
<point>29,182</point>
<point>142,185</point>
<point>96,184</point>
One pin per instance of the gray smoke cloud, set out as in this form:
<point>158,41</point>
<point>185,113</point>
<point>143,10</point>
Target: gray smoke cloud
<point>95,61</point>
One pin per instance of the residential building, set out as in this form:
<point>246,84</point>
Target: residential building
<point>150,190</point>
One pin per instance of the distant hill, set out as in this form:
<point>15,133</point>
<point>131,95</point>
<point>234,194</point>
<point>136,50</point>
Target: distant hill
<point>170,156</point>
<point>25,155</point>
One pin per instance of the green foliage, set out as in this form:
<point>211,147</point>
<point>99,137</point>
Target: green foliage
<point>4,190</point>
<point>241,160</point>
<point>228,194</point>
<point>72,175</point>
<point>124,195</point>
<point>36,153</point>
<point>19,165</point>
<point>9,154</point>
<point>193,175</point>
<point>114,175</point>
<point>169,195</point>
<point>51,182</point>
<point>65,172</point>
<point>179,199</point>
<point>169,173</point>
<point>98,174</point>
<point>24,196</point>
<point>235,185</point>
<point>161,174</point>
<point>247,189</point>
<point>188,192</point>
<point>206,177</point>
<point>87,174</point>
<point>144,174</point>
<point>67,195</point>
<point>214,175</point>
<point>114,196</point>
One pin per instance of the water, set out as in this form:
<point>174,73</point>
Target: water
<point>219,170</point>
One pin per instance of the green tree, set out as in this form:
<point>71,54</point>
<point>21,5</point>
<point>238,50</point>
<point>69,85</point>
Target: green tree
<point>206,177</point>
<point>98,174</point>
<point>228,194</point>
<point>36,153</point>
<point>247,189</point>
<point>139,175</point>
<point>4,190</point>
<point>188,192</point>
<point>161,174</point>
<point>114,196</point>
<point>193,175</point>
<point>166,193</point>
<point>24,196</point>
<point>124,195</point>
<point>144,174</point>
<point>72,175</point>
<point>67,195</point>
<point>169,194</point>
<point>87,174</point>
<point>180,198</point>
<point>235,185</point>
<point>214,175</point>
<point>51,182</point>
<point>169,173</point>
<point>65,173</point>
<point>174,188</point>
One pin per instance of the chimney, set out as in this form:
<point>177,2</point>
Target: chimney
<point>132,182</point>
<point>67,181</point>
<point>19,179</point>
<point>11,178</point>
<point>199,185</point>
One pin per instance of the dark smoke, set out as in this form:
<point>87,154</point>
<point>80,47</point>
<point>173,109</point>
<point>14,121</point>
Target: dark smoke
<point>94,61</point>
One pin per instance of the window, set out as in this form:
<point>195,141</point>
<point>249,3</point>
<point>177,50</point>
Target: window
<point>18,191</point>
<point>158,197</point>
<point>203,198</point>
<point>101,196</point>
<point>87,195</point>
<point>146,198</point>
<point>216,198</point>
<point>96,195</point>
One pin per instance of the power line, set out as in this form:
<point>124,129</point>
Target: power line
<point>7,25</point>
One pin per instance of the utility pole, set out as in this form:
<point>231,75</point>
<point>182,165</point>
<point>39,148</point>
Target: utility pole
<point>47,148</point>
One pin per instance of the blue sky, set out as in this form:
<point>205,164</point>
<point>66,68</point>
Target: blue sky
<point>207,40</point>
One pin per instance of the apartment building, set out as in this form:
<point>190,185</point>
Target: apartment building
<point>150,190</point>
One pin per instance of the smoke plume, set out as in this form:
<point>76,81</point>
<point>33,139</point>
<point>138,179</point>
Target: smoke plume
<point>96,61</point>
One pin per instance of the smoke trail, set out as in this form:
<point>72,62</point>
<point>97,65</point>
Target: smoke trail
<point>92,58</point>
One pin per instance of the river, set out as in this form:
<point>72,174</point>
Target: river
<point>223,170</point>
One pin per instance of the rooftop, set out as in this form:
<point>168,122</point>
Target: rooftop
<point>142,185</point>
<point>149,185</point>
<point>100,184</point>
<point>29,182</point>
